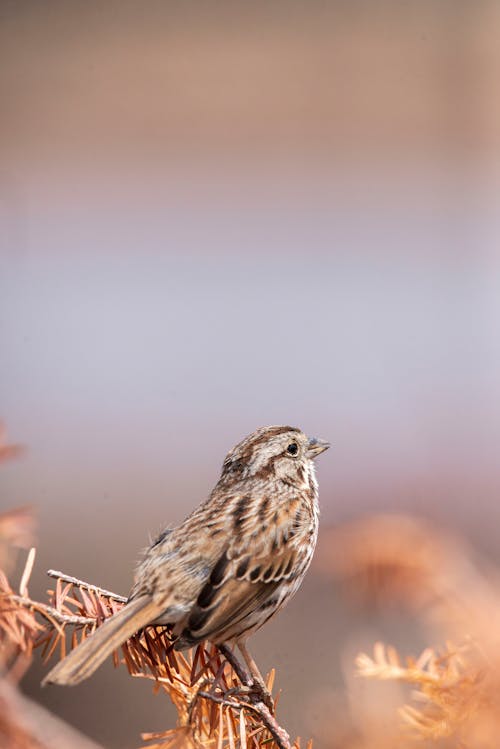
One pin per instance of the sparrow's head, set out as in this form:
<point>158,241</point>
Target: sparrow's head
<point>274,453</point>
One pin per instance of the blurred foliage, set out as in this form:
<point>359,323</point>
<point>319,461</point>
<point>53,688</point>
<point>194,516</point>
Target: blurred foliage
<point>452,690</point>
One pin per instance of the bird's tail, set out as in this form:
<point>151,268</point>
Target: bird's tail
<point>88,656</point>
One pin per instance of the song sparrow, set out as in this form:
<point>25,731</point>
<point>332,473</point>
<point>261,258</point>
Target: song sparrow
<point>232,564</point>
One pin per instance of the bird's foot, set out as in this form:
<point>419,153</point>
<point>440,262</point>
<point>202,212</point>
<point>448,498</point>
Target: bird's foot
<point>252,682</point>
<point>256,691</point>
<point>264,694</point>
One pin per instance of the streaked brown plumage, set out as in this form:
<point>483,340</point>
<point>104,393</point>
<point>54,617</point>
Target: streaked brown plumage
<point>232,564</point>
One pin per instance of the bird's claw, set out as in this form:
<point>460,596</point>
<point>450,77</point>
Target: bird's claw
<point>264,694</point>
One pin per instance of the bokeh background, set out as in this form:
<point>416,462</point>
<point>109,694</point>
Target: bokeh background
<point>215,216</point>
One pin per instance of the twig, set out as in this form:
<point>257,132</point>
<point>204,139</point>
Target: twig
<point>224,701</point>
<point>86,586</point>
<point>277,732</point>
<point>49,612</point>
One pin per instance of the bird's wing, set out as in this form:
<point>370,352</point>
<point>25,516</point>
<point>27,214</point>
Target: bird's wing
<point>263,550</point>
<point>237,588</point>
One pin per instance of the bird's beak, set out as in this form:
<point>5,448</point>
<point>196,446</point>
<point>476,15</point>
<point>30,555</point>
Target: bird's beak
<point>315,447</point>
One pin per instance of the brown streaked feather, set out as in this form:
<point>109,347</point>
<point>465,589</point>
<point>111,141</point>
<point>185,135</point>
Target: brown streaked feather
<point>236,599</point>
<point>230,597</point>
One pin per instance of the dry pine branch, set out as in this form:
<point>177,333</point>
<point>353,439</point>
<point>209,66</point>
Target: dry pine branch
<point>214,706</point>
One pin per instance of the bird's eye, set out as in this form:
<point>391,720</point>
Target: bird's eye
<point>292,448</point>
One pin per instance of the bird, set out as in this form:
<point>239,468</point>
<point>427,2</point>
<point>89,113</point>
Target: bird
<point>232,564</point>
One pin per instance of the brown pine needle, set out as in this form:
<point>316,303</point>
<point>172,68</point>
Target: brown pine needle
<point>243,730</point>
<point>220,739</point>
<point>230,734</point>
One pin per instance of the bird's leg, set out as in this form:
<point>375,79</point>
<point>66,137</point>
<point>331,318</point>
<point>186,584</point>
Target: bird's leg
<point>258,682</point>
<point>237,667</point>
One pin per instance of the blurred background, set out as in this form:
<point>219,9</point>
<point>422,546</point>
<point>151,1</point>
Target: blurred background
<point>215,216</point>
